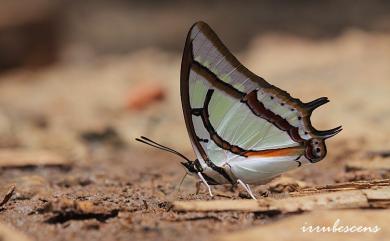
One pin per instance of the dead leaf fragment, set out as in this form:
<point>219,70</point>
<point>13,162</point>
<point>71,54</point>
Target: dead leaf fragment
<point>333,200</point>
<point>361,175</point>
<point>383,153</point>
<point>86,207</point>
<point>64,209</point>
<point>374,164</point>
<point>7,195</point>
<point>21,158</point>
<point>285,184</point>
<point>343,186</point>
<point>8,233</point>
<point>143,95</point>
<point>30,186</point>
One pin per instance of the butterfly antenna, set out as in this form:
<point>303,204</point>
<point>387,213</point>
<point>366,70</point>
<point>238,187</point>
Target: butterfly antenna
<point>154,144</point>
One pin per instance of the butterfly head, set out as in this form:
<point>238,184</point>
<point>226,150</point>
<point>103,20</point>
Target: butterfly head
<point>189,166</point>
<point>192,167</point>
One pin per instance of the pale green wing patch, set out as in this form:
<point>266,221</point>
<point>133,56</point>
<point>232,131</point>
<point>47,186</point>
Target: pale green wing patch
<point>236,124</point>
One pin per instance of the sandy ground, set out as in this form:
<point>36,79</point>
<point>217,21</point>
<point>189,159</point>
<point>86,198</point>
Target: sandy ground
<point>102,185</point>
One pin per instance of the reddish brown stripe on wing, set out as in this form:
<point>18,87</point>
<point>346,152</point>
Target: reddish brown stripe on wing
<point>219,141</point>
<point>290,151</point>
<point>258,109</point>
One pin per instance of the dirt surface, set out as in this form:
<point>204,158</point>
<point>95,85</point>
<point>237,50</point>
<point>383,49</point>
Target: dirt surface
<point>80,175</point>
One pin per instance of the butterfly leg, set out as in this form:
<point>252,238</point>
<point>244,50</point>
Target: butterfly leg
<point>247,188</point>
<point>205,183</point>
<point>197,186</point>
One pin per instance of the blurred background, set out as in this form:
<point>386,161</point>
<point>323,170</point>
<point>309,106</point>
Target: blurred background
<point>82,79</point>
<point>73,67</point>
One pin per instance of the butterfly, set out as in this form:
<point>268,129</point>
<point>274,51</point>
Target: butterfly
<point>243,130</point>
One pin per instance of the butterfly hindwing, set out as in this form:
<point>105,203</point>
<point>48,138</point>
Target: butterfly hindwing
<point>229,131</point>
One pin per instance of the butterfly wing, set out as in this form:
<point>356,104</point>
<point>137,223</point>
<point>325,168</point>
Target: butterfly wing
<point>235,117</point>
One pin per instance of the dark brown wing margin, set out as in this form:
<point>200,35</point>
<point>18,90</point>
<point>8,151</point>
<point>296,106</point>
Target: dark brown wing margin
<point>185,101</point>
<point>185,95</point>
<point>205,28</point>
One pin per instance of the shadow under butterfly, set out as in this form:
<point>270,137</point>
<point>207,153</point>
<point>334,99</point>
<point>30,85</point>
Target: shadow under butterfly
<point>243,129</point>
